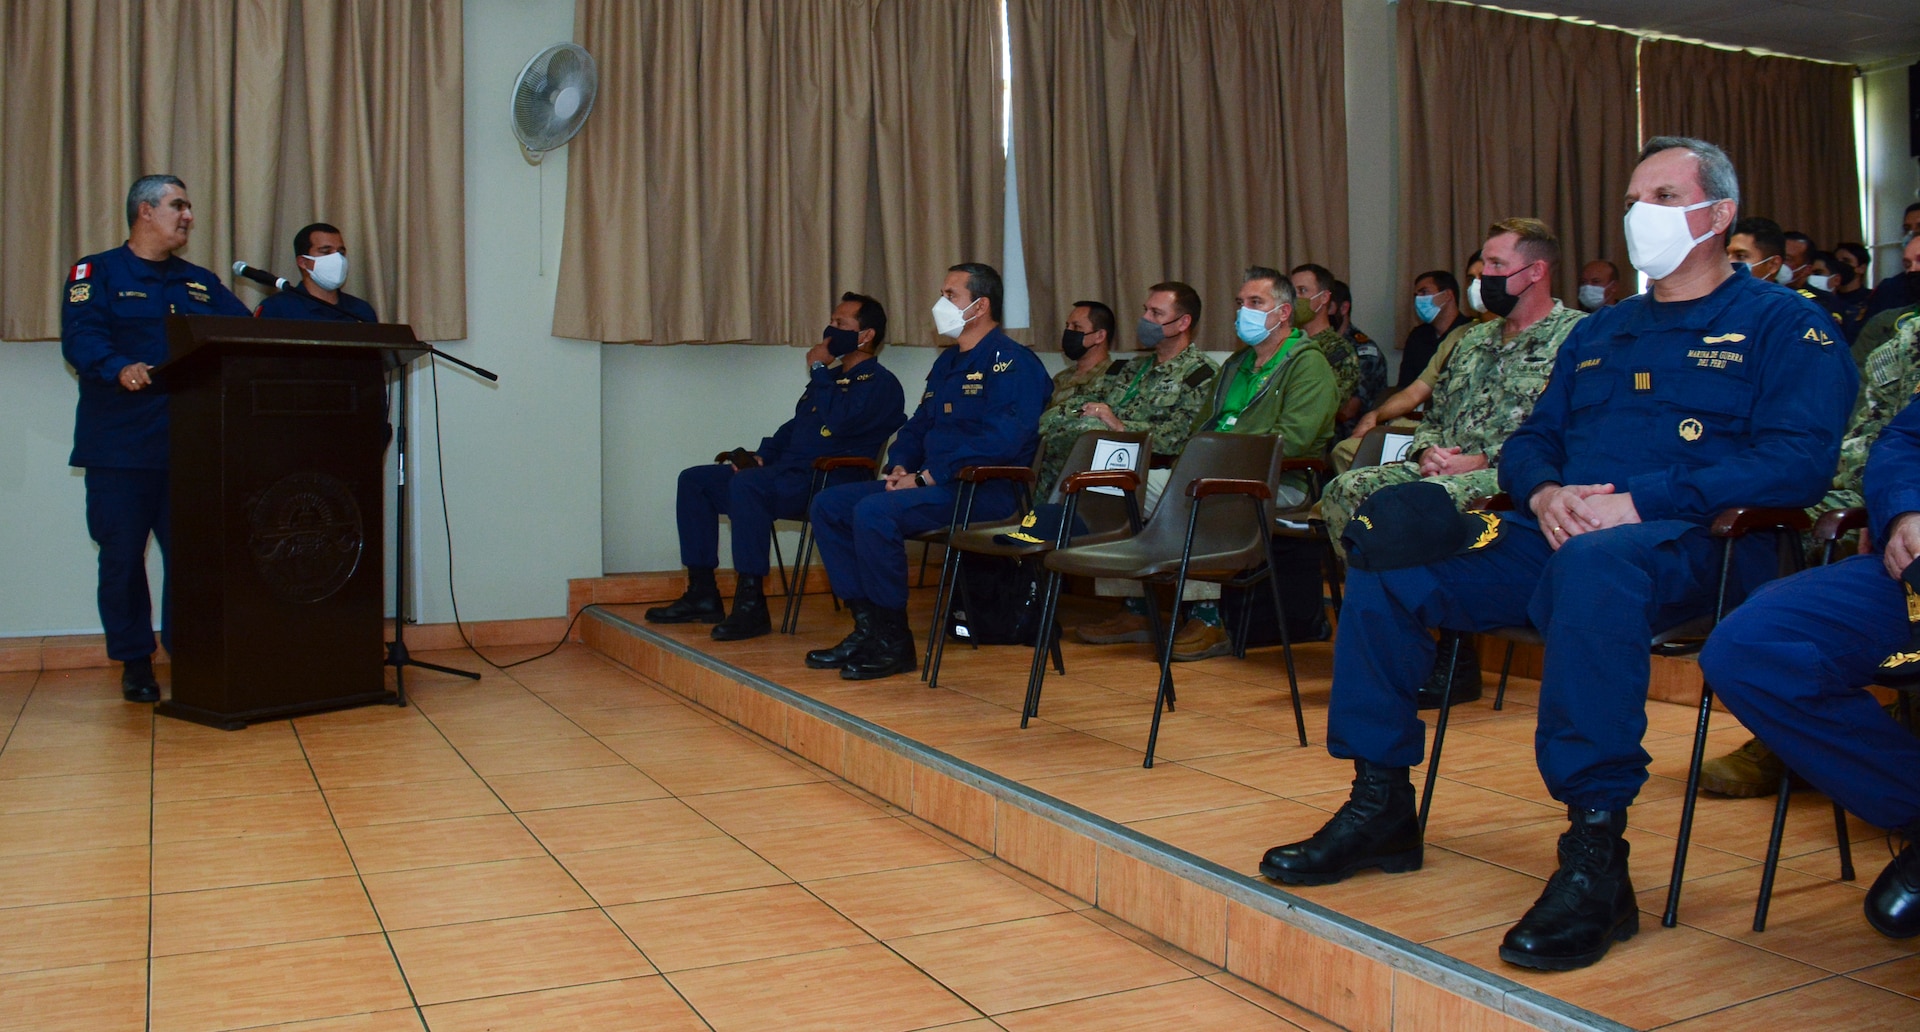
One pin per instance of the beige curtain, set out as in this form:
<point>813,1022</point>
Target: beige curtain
<point>1786,123</point>
<point>276,113</point>
<point>1156,139</point>
<point>748,161</point>
<point>1505,115</point>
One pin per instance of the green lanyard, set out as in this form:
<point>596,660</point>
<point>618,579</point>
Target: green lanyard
<point>1134,387</point>
<point>1230,413</point>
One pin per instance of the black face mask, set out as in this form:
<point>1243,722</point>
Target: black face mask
<point>1493,293</point>
<point>840,342</point>
<point>1073,344</point>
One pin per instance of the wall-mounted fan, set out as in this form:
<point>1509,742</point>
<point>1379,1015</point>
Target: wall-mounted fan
<point>553,97</point>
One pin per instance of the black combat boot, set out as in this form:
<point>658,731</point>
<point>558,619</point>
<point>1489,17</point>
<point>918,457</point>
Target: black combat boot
<point>1588,905</point>
<point>1377,827</point>
<point>137,683</point>
<point>1893,904</point>
<point>1466,673</point>
<point>888,652</point>
<point>836,657</point>
<point>749,618</point>
<point>701,603</point>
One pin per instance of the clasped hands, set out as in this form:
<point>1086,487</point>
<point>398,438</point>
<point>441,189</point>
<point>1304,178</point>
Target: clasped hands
<point>900,478</point>
<point>1568,510</point>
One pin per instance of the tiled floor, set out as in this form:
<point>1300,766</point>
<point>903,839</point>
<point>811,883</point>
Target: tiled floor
<point>1230,780</point>
<point>565,846</point>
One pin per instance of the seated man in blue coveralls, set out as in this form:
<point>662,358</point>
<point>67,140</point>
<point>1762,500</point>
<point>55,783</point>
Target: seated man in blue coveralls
<point>321,253</point>
<point>981,408</point>
<point>113,332</point>
<point>1793,663</point>
<point>852,404</point>
<point>1715,390</point>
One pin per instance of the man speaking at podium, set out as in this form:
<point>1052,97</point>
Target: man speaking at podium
<point>321,253</point>
<point>113,332</point>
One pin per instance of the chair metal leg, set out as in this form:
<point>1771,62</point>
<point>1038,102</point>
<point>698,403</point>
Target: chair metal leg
<point>1506,667</point>
<point>780,564</point>
<point>926,551</point>
<point>1846,846</point>
<point>1439,733</point>
<point>1772,865</point>
<point>802,563</point>
<point>1672,914</point>
<point>940,652</point>
<point>1280,618</point>
<point>1333,570</point>
<point>1049,625</point>
<point>1163,697</point>
<point>942,615</point>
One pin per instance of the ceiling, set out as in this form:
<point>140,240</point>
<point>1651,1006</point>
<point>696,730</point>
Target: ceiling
<point>1858,32</point>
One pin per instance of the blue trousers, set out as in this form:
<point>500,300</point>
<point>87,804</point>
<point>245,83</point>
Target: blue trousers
<point>1791,663</point>
<point>751,498</point>
<point>124,508</point>
<point>862,530</point>
<point>1597,602</point>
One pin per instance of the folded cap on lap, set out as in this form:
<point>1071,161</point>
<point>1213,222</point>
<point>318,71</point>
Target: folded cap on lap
<point>1412,525</point>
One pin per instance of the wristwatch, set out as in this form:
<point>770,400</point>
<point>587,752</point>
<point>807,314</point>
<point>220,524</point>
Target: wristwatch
<point>920,479</point>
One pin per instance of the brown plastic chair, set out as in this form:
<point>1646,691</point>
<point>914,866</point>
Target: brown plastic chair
<point>796,589</point>
<point>1108,518</point>
<point>969,478</point>
<point>1300,523</point>
<point>1198,532</point>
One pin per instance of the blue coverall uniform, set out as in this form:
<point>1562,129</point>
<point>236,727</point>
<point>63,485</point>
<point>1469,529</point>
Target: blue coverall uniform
<point>1792,661</point>
<point>981,408</point>
<point>114,314</point>
<point>1736,398</point>
<point>298,304</point>
<point>840,413</point>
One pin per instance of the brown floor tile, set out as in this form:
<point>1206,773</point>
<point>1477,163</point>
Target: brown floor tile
<point>1836,1004</point>
<point>59,935</point>
<point>730,767</point>
<point>638,720</point>
<point>577,829</point>
<point>668,869</point>
<point>1741,826</point>
<point>1902,976</point>
<point>473,892</point>
<point>94,998</point>
<point>635,1003</point>
<point>178,744</point>
<point>367,768</point>
<point>251,860</point>
<point>76,791</point>
<point>1465,810</point>
<point>227,780</point>
<point>918,900</point>
<point>66,831</point>
<point>865,987</point>
<point>1197,735</point>
<point>385,1021</point>
<point>378,848</point>
<point>260,915</point>
<point>1288,771</point>
<point>1812,920</point>
<point>1029,756</point>
<point>245,816</point>
<point>581,786</point>
<point>50,760</point>
<point>860,847</point>
<point>787,806</point>
<point>419,801</point>
<point>533,757</point>
<point>72,877</point>
<point>515,955</point>
<point>266,985</point>
<point>1292,1013</point>
<point>1063,957</point>
<point>1238,836</point>
<point>731,927</point>
<point>1193,1004</point>
<point>1530,849</point>
<point>1137,794</point>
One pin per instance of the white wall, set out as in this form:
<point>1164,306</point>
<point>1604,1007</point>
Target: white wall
<point>1892,174</point>
<point>1373,173</point>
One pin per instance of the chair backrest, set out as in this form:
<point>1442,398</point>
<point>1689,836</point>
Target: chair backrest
<point>1226,525</point>
<point>1101,511</point>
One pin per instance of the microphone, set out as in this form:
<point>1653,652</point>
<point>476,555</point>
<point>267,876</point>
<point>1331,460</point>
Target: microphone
<point>262,276</point>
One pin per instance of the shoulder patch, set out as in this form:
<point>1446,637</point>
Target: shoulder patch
<point>1199,376</point>
<point>81,270</point>
<point>79,293</point>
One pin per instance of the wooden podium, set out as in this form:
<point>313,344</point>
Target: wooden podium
<point>279,430</point>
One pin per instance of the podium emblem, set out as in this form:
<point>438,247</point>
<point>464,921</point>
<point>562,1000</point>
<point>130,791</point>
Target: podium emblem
<point>307,536</point>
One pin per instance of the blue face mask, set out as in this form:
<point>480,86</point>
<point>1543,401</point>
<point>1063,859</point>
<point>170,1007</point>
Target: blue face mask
<point>1250,324</point>
<point>1426,306</point>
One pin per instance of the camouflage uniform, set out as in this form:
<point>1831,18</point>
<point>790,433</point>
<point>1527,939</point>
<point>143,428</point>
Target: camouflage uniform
<point>1345,363</point>
<point>1061,423</point>
<point>1485,392</point>
<point>1891,376</point>
<point>1373,370</point>
<point>1169,397</point>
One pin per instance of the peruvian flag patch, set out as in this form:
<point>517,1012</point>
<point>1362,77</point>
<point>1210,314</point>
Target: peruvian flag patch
<point>81,271</point>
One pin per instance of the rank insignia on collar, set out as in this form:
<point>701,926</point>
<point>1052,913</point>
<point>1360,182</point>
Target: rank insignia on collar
<point>191,285</point>
<point>1725,338</point>
<point>976,375</point>
<point>1691,430</point>
<point>1001,367</point>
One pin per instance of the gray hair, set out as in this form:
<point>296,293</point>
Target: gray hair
<point>1716,173</point>
<point>1282,286</point>
<point>148,190</point>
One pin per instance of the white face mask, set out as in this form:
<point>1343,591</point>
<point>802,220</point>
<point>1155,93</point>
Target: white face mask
<point>950,319</point>
<point>1784,275</point>
<point>1658,239</point>
<point>329,270</point>
<point>1473,296</point>
<point>1820,282</point>
<point>1593,297</point>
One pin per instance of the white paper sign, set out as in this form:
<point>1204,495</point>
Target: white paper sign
<point>1393,447</point>
<point>1115,455</point>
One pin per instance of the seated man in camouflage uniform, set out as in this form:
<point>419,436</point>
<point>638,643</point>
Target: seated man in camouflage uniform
<point>1085,341</point>
<point>1313,314</point>
<point>1889,380</point>
<point>1484,393</point>
<point>1162,395</point>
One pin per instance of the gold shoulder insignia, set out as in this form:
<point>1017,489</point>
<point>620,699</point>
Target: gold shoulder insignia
<point>1899,659</point>
<point>1804,292</point>
<point>191,285</point>
<point>1363,521</point>
<point>1490,533</point>
<point>1001,367</point>
<point>976,375</point>
<point>79,293</point>
<point>824,432</point>
<point>1913,603</point>
<point>1725,338</point>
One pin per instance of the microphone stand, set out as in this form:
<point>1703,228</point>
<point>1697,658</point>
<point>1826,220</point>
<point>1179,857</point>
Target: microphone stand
<point>397,655</point>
